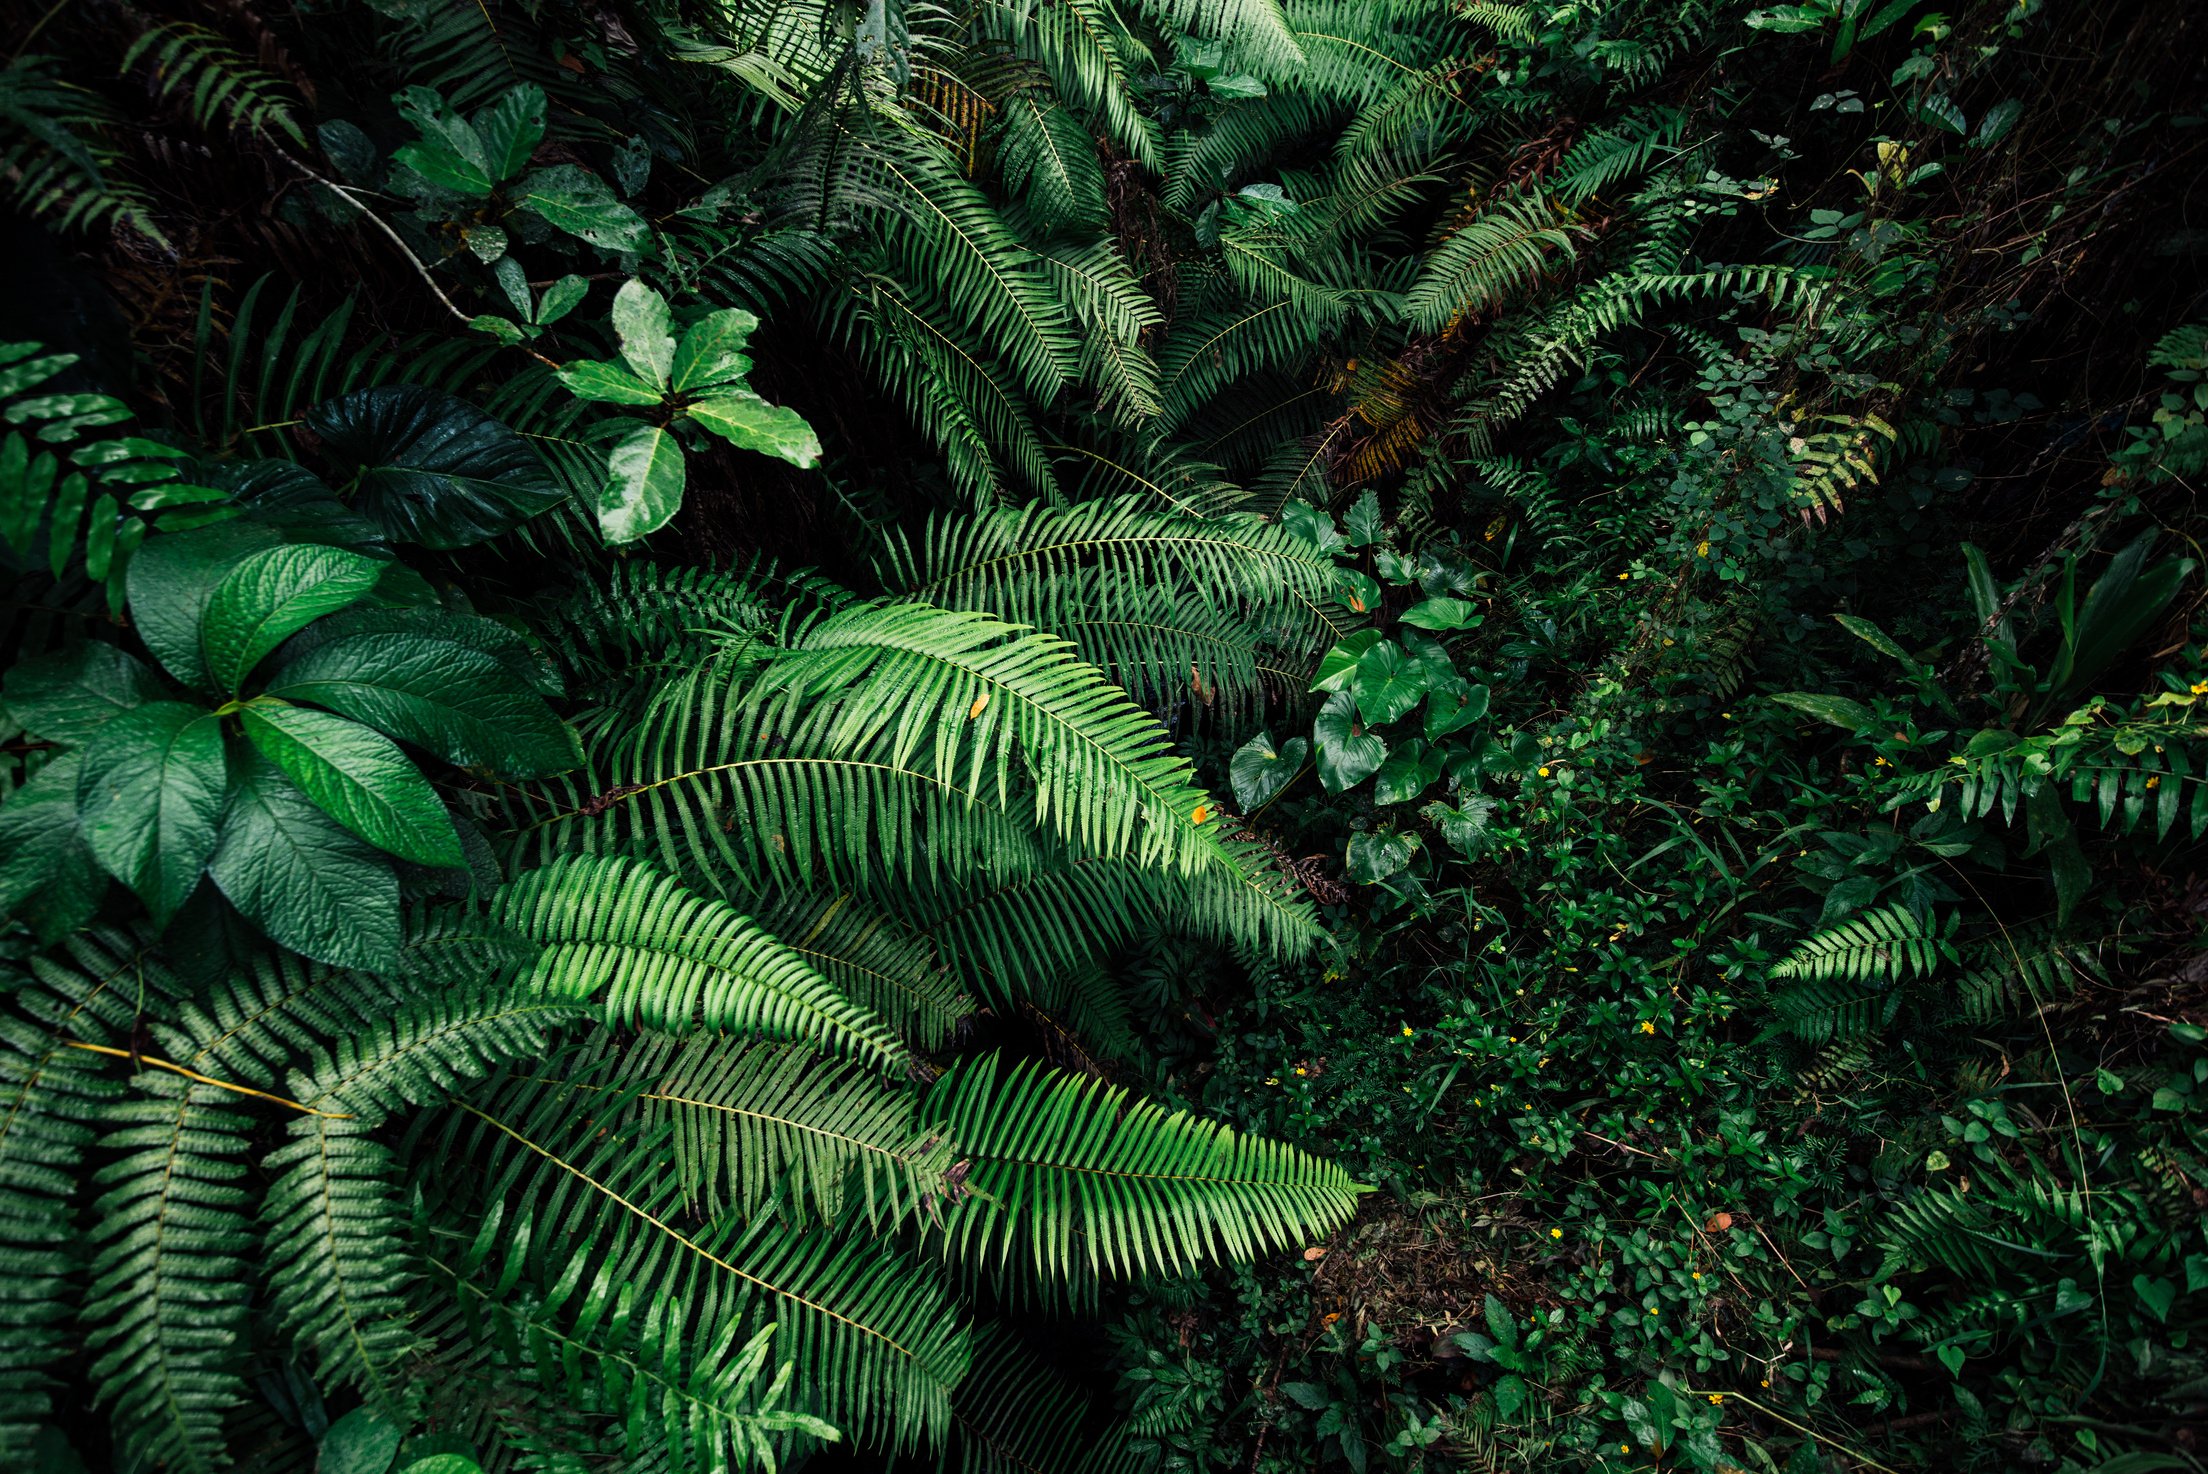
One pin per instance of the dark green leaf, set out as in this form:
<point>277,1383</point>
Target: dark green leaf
<point>1838,710</point>
<point>643,489</point>
<point>744,419</point>
<point>1442,614</point>
<point>1454,705</point>
<point>359,778</point>
<point>1259,771</point>
<point>364,1441</point>
<point>511,128</point>
<point>47,872</point>
<point>1347,754</point>
<point>439,694</point>
<point>295,874</point>
<point>580,203</point>
<point>1464,827</point>
<point>1406,773</point>
<point>273,595</point>
<point>1375,857</point>
<point>1363,521</point>
<point>149,797</point>
<point>430,468</point>
<point>67,696</point>
<point>171,581</point>
<point>1386,684</point>
<point>1338,666</point>
<point>712,351</point>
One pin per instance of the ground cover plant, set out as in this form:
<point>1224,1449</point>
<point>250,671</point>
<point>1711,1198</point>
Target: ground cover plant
<point>1104,735</point>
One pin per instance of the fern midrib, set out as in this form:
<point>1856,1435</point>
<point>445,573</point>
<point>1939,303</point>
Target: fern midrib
<point>687,1243</point>
<point>563,815</point>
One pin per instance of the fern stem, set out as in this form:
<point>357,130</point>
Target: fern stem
<point>197,1078</point>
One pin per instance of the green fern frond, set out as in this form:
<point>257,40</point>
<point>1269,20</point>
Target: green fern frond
<point>1069,1174</point>
<point>56,161</point>
<point>1487,261</point>
<point>670,959</point>
<point>1884,945</point>
<point>872,1334</point>
<point>874,959</point>
<point>1045,156</point>
<point>216,83</point>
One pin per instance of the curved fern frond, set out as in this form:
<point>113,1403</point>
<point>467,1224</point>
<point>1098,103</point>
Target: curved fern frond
<point>1071,1175</point>
<point>668,958</point>
<point>213,80</point>
<point>1485,262</point>
<point>1883,945</point>
<point>874,959</point>
<point>332,1222</point>
<point>874,1339</point>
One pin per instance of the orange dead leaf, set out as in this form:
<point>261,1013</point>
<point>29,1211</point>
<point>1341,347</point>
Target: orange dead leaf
<point>1203,812</point>
<point>1316,1252</point>
<point>979,702</point>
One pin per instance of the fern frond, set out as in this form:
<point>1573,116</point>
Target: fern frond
<point>1883,945</point>
<point>215,82</point>
<point>1069,1174</point>
<point>667,958</point>
<point>1487,261</point>
<point>874,959</point>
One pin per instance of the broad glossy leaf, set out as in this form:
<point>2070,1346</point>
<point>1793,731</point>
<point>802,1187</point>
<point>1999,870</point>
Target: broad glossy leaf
<point>1374,857</point>
<point>647,332</point>
<point>1313,525</point>
<point>47,873</point>
<point>577,201</point>
<point>712,351</point>
<point>364,1441</point>
<point>1838,710</point>
<point>67,696</point>
<point>438,694</point>
<point>1442,614</point>
<point>1453,706</point>
<point>561,298</point>
<point>1406,773</point>
<point>1363,520</point>
<point>1464,827</point>
<point>1259,770</point>
<point>499,641</point>
<point>430,468</point>
<point>149,797</point>
<point>451,154</point>
<point>511,128</point>
<point>172,579</point>
<point>742,418</point>
<point>273,595</point>
<point>294,873</point>
<point>1339,665</point>
<point>1387,684</point>
<point>1348,754</point>
<point>606,383</point>
<point>359,778</point>
<point>444,166</point>
<point>643,488</point>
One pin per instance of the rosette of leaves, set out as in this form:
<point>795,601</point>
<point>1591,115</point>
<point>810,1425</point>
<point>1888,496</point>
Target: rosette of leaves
<point>264,754</point>
<point>1398,713</point>
<point>471,177</point>
<point>696,384</point>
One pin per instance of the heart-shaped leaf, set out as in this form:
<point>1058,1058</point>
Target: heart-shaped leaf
<point>1259,770</point>
<point>149,797</point>
<point>1406,773</point>
<point>1374,857</point>
<point>357,777</point>
<point>430,468</point>
<point>643,486</point>
<point>1463,827</point>
<point>1442,614</point>
<point>1348,755</point>
<point>1454,706</point>
<point>742,418</point>
<point>1338,666</point>
<point>1387,684</point>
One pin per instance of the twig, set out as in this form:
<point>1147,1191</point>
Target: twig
<point>197,1078</point>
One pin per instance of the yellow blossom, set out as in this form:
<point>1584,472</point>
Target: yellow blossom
<point>1544,772</point>
<point>1301,1070</point>
<point>1647,1027</point>
<point>1556,1233</point>
<point>1701,550</point>
<point>1406,1031</point>
<point>1716,1397</point>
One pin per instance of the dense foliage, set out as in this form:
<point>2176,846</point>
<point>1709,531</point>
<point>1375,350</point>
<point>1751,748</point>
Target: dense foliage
<point>745,733</point>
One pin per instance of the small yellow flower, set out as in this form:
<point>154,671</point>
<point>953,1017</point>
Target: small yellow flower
<point>1698,1274</point>
<point>1701,550</point>
<point>1623,577</point>
<point>1716,1398</point>
<point>1556,1233</point>
<point>1301,1070</point>
<point>2154,781</point>
<point>2198,688</point>
<point>1728,716</point>
<point>1765,1382</point>
<point>1406,1031</point>
<point>1544,772</point>
<point>1651,1310</point>
<point>1647,1027</point>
